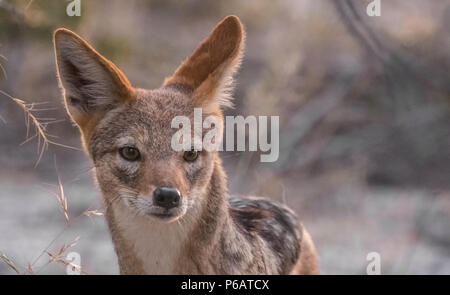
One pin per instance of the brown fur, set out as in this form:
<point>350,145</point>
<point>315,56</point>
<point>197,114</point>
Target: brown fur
<point>210,232</point>
<point>307,263</point>
<point>216,57</point>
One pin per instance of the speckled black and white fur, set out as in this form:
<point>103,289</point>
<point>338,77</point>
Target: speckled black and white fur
<point>209,232</point>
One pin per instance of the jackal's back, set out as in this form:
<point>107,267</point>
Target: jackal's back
<point>274,223</point>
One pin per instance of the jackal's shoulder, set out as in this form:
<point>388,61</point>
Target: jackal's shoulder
<point>275,223</point>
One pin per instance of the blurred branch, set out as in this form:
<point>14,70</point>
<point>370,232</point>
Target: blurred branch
<point>2,69</point>
<point>399,66</point>
<point>29,4</point>
<point>359,29</point>
<point>12,10</point>
<point>432,221</point>
<point>308,116</point>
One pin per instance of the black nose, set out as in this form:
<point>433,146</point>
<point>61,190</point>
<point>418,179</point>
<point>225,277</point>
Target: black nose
<point>166,197</point>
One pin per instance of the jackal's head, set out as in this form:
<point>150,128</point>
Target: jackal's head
<point>127,131</point>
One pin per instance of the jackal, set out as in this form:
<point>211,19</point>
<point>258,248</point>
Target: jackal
<point>170,212</point>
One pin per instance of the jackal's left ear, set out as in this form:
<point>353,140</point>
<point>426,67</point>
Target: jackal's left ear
<point>209,71</point>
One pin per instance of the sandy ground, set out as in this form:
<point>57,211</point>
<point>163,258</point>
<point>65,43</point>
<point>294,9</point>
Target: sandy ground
<point>346,227</point>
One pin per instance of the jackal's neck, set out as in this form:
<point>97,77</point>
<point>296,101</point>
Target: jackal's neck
<point>217,245</point>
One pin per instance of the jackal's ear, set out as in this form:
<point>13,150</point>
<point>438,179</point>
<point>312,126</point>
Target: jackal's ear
<point>92,84</point>
<point>209,71</point>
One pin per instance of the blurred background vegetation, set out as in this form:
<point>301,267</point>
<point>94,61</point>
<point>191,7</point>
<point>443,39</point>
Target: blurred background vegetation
<point>364,106</point>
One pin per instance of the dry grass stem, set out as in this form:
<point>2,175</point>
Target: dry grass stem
<point>60,196</point>
<point>38,124</point>
<point>59,257</point>
<point>29,269</point>
<point>90,213</point>
<point>9,262</point>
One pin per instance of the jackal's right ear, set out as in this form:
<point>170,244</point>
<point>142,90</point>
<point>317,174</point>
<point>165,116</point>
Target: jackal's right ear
<point>92,84</point>
<point>210,69</point>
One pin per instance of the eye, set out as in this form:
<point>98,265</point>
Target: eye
<point>191,155</point>
<point>130,153</point>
